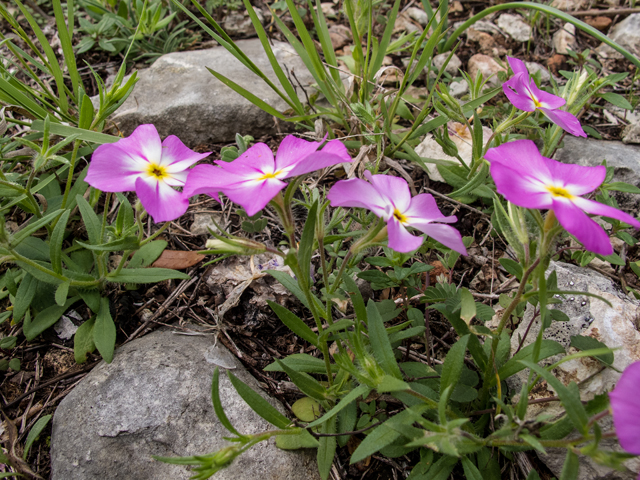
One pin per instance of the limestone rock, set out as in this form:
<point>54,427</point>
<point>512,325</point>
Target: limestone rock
<point>418,15</point>
<point>534,67</point>
<point>155,399</point>
<point>487,65</point>
<point>627,34</point>
<point>340,36</point>
<point>569,5</point>
<point>404,24</point>
<point>515,27</point>
<point>458,89</point>
<point>452,67</point>
<point>631,133</point>
<point>565,39</point>
<point>238,24</point>
<point>181,97</point>
<point>202,222</point>
<point>625,159</point>
<point>615,326</point>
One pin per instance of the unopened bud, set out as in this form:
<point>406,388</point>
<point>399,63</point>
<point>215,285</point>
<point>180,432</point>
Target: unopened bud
<point>235,245</point>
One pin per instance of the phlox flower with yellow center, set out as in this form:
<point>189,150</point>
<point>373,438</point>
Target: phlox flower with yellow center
<point>523,93</point>
<point>527,179</point>
<point>389,198</point>
<point>151,168</point>
<point>255,177</point>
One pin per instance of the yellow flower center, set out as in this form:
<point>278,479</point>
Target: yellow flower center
<point>559,192</point>
<point>399,216</point>
<point>157,171</point>
<point>267,176</point>
<point>536,102</point>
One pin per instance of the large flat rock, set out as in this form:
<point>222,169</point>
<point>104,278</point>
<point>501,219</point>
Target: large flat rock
<point>181,97</point>
<point>155,399</point>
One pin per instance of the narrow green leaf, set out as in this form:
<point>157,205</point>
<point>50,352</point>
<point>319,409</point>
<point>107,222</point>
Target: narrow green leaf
<point>104,331</point>
<point>467,305</point>
<point>571,467</point>
<point>380,344</point>
<point>305,248</point>
<point>513,267</point>
<point>147,254</point>
<point>305,382</point>
<point>589,343</point>
<point>258,404</point>
<point>83,341</point>
<point>66,131</point>
<point>471,472</point>
<point>45,319</point>
<point>55,242</point>
<point>126,243</point>
<point>67,47</point>
<point>356,298</point>
<point>352,396</point>
<point>300,362</point>
<point>26,292</point>
<point>34,433</point>
<point>61,293</point>
<point>327,449</point>
<point>90,219</point>
<point>146,275</point>
<point>217,404</point>
<point>294,323</point>
<point>34,227</point>
<point>453,363</point>
<point>513,366</point>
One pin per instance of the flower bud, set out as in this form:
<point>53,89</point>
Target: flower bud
<point>235,245</point>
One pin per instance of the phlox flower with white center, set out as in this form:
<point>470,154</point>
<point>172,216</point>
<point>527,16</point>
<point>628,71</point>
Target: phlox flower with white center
<point>255,177</point>
<point>151,168</point>
<point>625,406</point>
<point>527,179</point>
<point>389,198</point>
<point>523,93</point>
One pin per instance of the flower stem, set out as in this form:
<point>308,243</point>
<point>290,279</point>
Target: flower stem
<point>72,167</point>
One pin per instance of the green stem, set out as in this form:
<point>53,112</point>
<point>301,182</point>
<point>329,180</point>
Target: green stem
<point>27,190</point>
<point>51,273</point>
<point>72,167</point>
<point>155,235</point>
<point>509,123</point>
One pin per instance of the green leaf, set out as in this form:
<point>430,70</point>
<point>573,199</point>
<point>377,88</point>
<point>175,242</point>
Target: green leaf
<point>91,298</point>
<point>356,298</point>
<point>622,187</point>
<point>34,433</point>
<point>513,267</point>
<point>352,396</point>
<point>147,254</point>
<point>83,341</point>
<point>217,404</point>
<point>290,284</point>
<point>45,319</point>
<point>258,404</point>
<point>34,227</point>
<point>327,449</point>
<point>571,467</point>
<point>26,292</point>
<point>294,323</point>
<point>305,382</point>
<point>146,275</point>
<point>467,306</point>
<point>617,100</point>
<point>66,131</point>
<point>127,243</point>
<point>583,343</point>
<point>104,331</point>
<point>471,472</point>
<point>571,402</point>
<point>300,362</point>
<point>14,364</point>
<point>453,363</point>
<point>55,242</point>
<point>90,219</point>
<point>305,248</point>
<point>380,344</point>
<point>548,348</point>
<point>297,441</point>
<point>61,293</point>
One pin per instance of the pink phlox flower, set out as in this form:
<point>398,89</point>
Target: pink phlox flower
<point>526,178</point>
<point>523,93</point>
<point>255,177</point>
<point>625,404</point>
<point>151,168</point>
<point>390,199</point>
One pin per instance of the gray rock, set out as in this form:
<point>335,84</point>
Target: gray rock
<point>487,65</point>
<point>626,34</point>
<point>418,15</point>
<point>631,133</point>
<point>624,158</point>
<point>238,24</point>
<point>565,39</point>
<point>515,27</point>
<point>180,97</point>
<point>458,89</point>
<point>535,67</point>
<point>452,67</point>
<point>616,326</point>
<point>155,399</point>
<point>202,222</point>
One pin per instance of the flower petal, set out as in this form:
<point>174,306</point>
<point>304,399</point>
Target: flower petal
<point>395,189</point>
<point>596,208</point>
<point>577,179</point>
<point>424,208</point>
<point>358,193</point>
<point>517,66</point>
<point>315,161</point>
<point>145,142</point>
<point>161,201</point>
<point>624,405</point>
<point>256,161</point>
<point>566,121</point>
<point>577,223</point>
<point>209,180</point>
<point>445,234</point>
<point>400,239</point>
<point>177,179</point>
<point>253,195</point>
<point>522,156</point>
<point>176,157</point>
<point>293,150</point>
<point>546,100</point>
<point>520,189</point>
<point>516,91</point>
<point>337,148</point>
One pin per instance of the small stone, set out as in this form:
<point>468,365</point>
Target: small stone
<point>327,9</point>
<point>626,34</point>
<point>456,7</point>
<point>487,66</point>
<point>458,89</point>
<point>340,36</point>
<point>485,41</point>
<point>452,67</point>
<point>202,222</point>
<point>238,24</point>
<point>515,27</point>
<point>565,39</point>
<point>631,133</point>
<point>418,15</point>
<point>404,24</point>
<point>65,328</point>
<point>601,23</point>
<point>535,67</point>
<point>555,63</point>
<point>569,5</point>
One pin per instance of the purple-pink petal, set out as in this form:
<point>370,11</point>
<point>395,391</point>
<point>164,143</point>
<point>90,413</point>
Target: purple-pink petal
<point>395,189</point>
<point>176,156</point>
<point>596,208</point>
<point>315,161</point>
<point>520,189</point>
<point>522,156</point>
<point>293,150</point>
<point>625,405</point>
<point>357,193</point>
<point>445,234</point>
<point>577,179</point>
<point>424,207</point>
<point>517,66</point>
<point>400,239</point>
<point>336,147</point>
<point>516,91</point>
<point>160,201</point>
<point>546,100</point>
<point>254,195</point>
<point>257,160</point>
<point>209,180</point>
<point>565,120</point>
<point>578,224</point>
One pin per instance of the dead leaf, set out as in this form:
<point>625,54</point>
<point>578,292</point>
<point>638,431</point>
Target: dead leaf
<point>178,259</point>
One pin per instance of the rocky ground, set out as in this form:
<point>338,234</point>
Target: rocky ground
<point>154,397</point>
